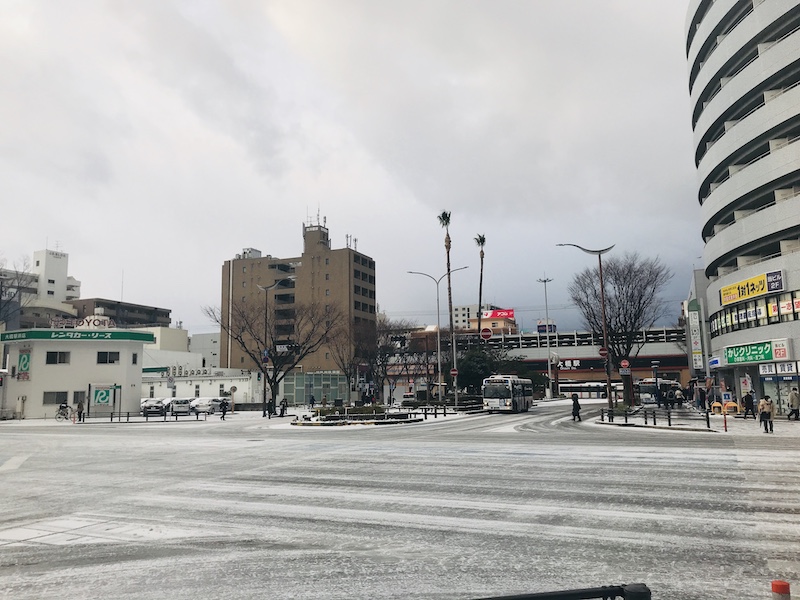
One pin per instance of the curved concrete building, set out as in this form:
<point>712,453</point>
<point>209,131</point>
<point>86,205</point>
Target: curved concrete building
<point>744,70</point>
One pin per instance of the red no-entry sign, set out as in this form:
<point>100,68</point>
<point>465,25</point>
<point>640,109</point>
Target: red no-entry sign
<point>603,352</point>
<point>624,364</point>
<point>486,333</point>
<point>453,372</point>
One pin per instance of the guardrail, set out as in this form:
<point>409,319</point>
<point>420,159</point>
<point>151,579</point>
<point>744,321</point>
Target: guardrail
<point>655,415</point>
<point>633,591</point>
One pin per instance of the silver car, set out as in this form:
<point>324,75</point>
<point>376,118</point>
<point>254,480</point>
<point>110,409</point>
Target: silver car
<point>205,405</point>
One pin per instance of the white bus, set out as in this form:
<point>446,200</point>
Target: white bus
<point>589,389</point>
<point>507,393</point>
<point>645,389</point>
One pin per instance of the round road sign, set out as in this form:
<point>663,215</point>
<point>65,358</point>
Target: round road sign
<point>453,372</point>
<point>624,364</point>
<point>603,352</point>
<point>486,333</point>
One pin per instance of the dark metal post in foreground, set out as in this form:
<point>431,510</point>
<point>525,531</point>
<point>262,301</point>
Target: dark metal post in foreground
<point>633,591</point>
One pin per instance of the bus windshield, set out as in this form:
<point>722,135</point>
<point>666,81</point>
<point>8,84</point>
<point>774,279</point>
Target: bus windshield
<point>496,390</point>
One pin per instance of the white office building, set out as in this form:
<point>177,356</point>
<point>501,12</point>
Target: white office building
<point>743,61</point>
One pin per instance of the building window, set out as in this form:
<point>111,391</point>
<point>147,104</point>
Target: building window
<point>152,391</point>
<point>244,269</point>
<point>55,397</point>
<point>52,281</point>
<point>57,358</point>
<point>108,358</point>
<point>51,293</point>
<point>197,390</point>
<point>79,397</point>
<point>327,292</point>
<point>327,261</point>
<point>221,389</point>
<point>244,284</point>
<point>134,358</point>
<point>357,305</point>
<point>327,276</point>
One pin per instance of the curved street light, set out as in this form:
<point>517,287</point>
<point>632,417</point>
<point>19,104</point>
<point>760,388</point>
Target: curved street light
<point>438,331</point>
<point>599,254</point>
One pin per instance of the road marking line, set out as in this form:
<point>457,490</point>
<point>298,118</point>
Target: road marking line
<point>14,462</point>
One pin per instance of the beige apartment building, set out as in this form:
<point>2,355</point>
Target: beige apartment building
<point>340,277</point>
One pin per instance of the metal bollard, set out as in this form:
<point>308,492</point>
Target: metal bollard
<point>645,417</point>
<point>626,416</point>
<point>602,414</point>
<point>780,590</point>
<point>128,418</point>
<point>654,418</point>
<point>669,417</point>
<point>708,421</point>
<point>610,415</point>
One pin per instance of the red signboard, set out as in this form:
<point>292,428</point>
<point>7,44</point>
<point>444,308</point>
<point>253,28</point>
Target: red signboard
<point>498,314</point>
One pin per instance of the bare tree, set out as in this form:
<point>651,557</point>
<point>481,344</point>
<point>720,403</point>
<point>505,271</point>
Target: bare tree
<point>633,302</point>
<point>16,290</point>
<point>352,347</point>
<point>390,357</point>
<point>271,348</point>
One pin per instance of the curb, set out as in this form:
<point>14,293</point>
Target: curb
<point>665,428</point>
<point>343,423</point>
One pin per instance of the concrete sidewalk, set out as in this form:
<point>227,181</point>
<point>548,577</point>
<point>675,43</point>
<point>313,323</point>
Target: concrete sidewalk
<point>690,420</point>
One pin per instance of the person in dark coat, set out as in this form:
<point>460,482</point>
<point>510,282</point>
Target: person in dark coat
<point>223,408</point>
<point>576,408</point>
<point>284,406</point>
<point>749,406</point>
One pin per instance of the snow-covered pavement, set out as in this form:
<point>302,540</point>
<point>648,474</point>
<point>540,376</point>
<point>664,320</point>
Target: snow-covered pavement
<point>458,507</point>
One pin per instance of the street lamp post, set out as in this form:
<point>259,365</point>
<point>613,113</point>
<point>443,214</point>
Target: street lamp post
<point>599,254</point>
<point>265,355</point>
<point>545,281</point>
<point>657,391</point>
<point>438,326</point>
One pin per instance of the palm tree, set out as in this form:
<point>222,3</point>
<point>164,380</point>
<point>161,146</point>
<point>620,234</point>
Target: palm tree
<point>444,221</point>
<point>480,239</point>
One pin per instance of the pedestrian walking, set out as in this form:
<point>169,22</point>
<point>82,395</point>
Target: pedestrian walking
<point>312,401</point>
<point>79,410</point>
<point>576,408</point>
<point>284,406</point>
<point>223,408</point>
<point>749,405</point>
<point>794,404</point>
<point>766,413</point>
<point>679,397</point>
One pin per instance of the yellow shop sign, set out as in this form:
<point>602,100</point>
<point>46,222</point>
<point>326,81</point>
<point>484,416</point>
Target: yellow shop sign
<point>751,288</point>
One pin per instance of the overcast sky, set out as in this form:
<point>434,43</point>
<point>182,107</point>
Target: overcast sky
<point>152,140</point>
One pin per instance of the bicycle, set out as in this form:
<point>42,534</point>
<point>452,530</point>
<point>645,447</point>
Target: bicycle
<point>64,414</point>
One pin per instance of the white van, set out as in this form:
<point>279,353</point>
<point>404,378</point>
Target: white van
<point>180,406</point>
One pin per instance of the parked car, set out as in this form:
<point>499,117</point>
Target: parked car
<point>180,406</point>
<point>205,405</point>
<point>154,406</point>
